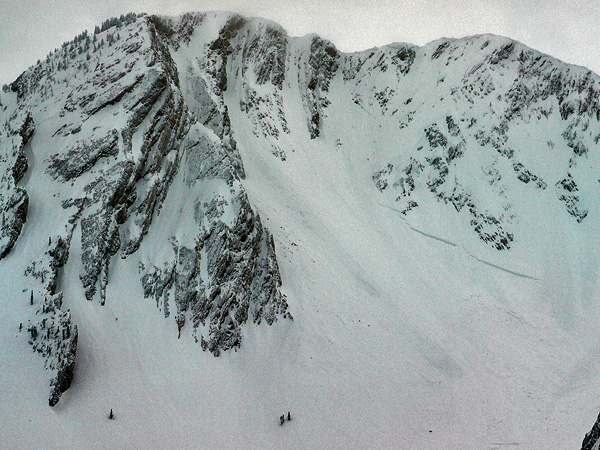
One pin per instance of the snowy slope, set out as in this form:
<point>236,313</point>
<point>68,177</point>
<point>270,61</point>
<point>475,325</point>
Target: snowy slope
<point>428,216</point>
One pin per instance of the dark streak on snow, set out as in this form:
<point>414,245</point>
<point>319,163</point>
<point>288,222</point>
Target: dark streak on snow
<point>512,272</point>
<point>445,241</point>
<point>436,238</point>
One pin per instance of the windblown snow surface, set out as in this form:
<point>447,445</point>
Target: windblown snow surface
<point>409,330</point>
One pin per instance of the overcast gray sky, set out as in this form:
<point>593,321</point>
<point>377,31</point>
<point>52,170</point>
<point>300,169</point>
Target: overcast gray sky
<point>568,29</point>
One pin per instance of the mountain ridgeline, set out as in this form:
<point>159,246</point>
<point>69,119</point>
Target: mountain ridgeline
<point>129,135</point>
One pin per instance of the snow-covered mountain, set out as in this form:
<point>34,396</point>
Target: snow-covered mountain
<point>398,246</point>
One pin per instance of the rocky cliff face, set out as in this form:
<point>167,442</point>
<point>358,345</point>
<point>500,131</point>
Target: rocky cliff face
<point>14,136</point>
<point>132,126</point>
<point>591,439</point>
<point>121,132</point>
<point>497,103</point>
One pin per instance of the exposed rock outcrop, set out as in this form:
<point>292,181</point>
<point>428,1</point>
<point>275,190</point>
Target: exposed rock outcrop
<point>54,335</point>
<point>14,201</point>
<point>125,135</point>
<point>590,442</point>
<point>486,127</point>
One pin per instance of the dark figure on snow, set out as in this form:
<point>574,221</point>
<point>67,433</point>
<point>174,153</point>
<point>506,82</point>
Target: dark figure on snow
<point>111,415</point>
<point>281,420</point>
<point>289,417</point>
